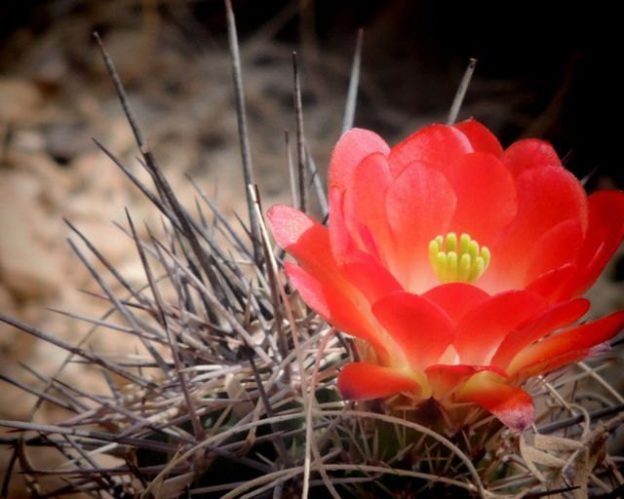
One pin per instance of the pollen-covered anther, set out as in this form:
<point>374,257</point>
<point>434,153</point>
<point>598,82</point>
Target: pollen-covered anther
<point>456,259</point>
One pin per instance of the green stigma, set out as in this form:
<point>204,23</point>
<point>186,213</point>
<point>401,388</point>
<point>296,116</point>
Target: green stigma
<point>458,260</point>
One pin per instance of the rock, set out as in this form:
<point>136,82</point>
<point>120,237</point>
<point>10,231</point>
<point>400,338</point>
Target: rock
<point>53,181</point>
<point>6,302</point>
<point>133,272</point>
<point>65,141</point>
<point>96,173</point>
<point>27,140</point>
<point>15,346</point>
<point>12,341</point>
<point>29,268</point>
<point>18,98</point>
<point>126,48</point>
<point>15,402</point>
<point>108,239</point>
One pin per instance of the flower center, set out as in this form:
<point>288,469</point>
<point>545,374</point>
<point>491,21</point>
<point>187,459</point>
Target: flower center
<point>454,260</point>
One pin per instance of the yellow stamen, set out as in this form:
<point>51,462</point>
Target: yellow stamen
<point>456,259</point>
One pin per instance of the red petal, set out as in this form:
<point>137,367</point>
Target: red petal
<point>320,281</point>
<point>310,290</point>
<point>369,277</point>
<point>352,147</point>
<point>364,381</point>
<point>365,202</point>
<point>554,318</point>
<point>557,247</point>
<point>561,360</point>
<point>528,154</point>
<point>421,329</point>
<point>483,329</point>
<point>579,339</point>
<point>300,235</point>
<point>445,379</point>
<point>480,137</point>
<point>512,405</point>
<point>456,298</point>
<point>551,364</point>
<point>338,306</point>
<point>546,197</point>
<point>420,204</point>
<point>549,284</point>
<point>435,145</point>
<point>486,196</point>
<point>604,234</point>
<point>342,241</point>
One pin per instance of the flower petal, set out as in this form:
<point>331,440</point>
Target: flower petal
<point>544,355</point>
<point>420,204</point>
<point>352,147</point>
<point>549,284</point>
<point>604,234</point>
<point>444,379</point>
<point>369,277</point>
<point>456,298</point>
<point>319,279</point>
<point>511,405</point>
<point>546,197</point>
<point>341,238</point>
<point>421,329</point>
<point>559,246</point>
<point>480,137</point>
<point>528,154</point>
<point>364,381</point>
<point>310,290</point>
<point>302,236</point>
<point>483,329</point>
<point>338,306</point>
<point>486,196</point>
<point>365,202</point>
<point>554,318</point>
<point>436,145</point>
<point>551,364</point>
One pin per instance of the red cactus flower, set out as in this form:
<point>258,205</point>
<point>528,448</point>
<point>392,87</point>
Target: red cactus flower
<point>460,263</point>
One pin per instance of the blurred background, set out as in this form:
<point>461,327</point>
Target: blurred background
<point>544,70</point>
